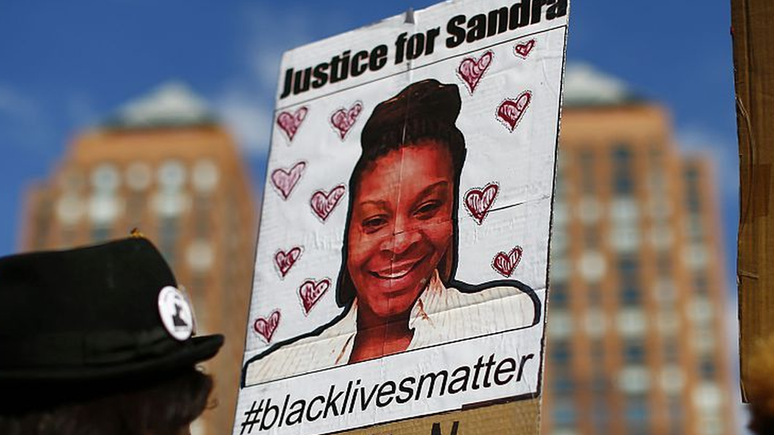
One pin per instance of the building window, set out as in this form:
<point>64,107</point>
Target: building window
<point>558,242</point>
<point>205,176</point>
<point>624,210</point>
<point>625,238</point>
<point>708,397</point>
<point>559,270</point>
<point>634,351</point>
<point>600,415</point>
<point>592,266</point>
<point>707,369</point>
<point>632,323</point>
<point>104,208</point>
<point>171,175</point>
<point>694,228</point>
<point>105,178</point>
<point>634,379</point>
<point>560,352</point>
<point>637,411</point>
<point>631,293</point>
<point>564,412</point>
<point>100,233</point>
<point>560,188</point>
<point>559,324</point>
<point>586,159</point>
<point>69,209</point>
<point>200,255</point>
<point>561,383</point>
<point>700,311</point>
<point>623,176</point>
<point>560,215</point>
<point>637,416</point>
<point>700,284</point>
<point>558,295</point>
<point>168,236</point>
<point>704,340</point>
<point>696,256</point>
<point>692,195</point>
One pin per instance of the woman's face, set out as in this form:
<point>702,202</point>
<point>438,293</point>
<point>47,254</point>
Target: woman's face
<point>400,225</point>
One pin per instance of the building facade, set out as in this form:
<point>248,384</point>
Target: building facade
<point>165,167</point>
<point>635,339</point>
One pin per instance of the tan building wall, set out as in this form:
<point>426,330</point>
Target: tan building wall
<point>635,332</point>
<point>185,188</point>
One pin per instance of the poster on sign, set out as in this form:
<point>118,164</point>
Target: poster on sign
<point>401,270</point>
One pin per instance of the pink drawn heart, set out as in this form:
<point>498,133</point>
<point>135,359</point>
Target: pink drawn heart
<point>505,264</point>
<point>471,70</point>
<point>311,292</point>
<point>479,201</point>
<point>284,181</point>
<point>289,123</point>
<point>323,203</point>
<point>343,120</point>
<point>510,111</point>
<point>266,327</point>
<point>524,49</point>
<point>286,260</point>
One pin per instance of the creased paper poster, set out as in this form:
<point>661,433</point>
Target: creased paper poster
<point>401,268</point>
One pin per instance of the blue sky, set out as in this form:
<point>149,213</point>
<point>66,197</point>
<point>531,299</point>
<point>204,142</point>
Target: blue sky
<point>67,65</point>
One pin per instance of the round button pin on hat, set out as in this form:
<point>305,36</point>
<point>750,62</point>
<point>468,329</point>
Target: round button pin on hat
<point>176,313</point>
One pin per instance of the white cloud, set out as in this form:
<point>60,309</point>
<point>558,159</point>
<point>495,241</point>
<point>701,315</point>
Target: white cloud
<point>723,153</point>
<point>272,32</point>
<point>16,105</point>
<point>81,110</point>
<point>246,102</point>
<point>585,84</point>
<point>247,117</point>
<point>24,122</point>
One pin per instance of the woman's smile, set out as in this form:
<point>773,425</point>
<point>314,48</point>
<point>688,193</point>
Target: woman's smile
<point>397,270</point>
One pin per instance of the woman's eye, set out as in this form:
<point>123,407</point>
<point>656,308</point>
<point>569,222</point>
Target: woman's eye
<point>373,224</point>
<point>427,209</point>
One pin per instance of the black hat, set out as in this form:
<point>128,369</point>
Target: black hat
<point>96,314</point>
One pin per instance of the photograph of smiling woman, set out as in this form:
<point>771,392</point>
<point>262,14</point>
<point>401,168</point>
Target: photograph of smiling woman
<point>396,284</point>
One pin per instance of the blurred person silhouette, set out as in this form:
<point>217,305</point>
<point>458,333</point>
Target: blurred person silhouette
<point>759,387</point>
<point>99,340</point>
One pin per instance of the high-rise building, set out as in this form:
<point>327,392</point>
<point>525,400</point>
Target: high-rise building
<point>163,165</point>
<point>635,337</point>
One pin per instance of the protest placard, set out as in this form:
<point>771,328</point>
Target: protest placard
<point>401,269</point>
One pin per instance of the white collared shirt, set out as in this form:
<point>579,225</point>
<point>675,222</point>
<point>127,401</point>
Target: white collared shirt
<point>439,315</point>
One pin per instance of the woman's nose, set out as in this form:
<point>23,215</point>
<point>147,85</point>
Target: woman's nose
<point>402,241</point>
